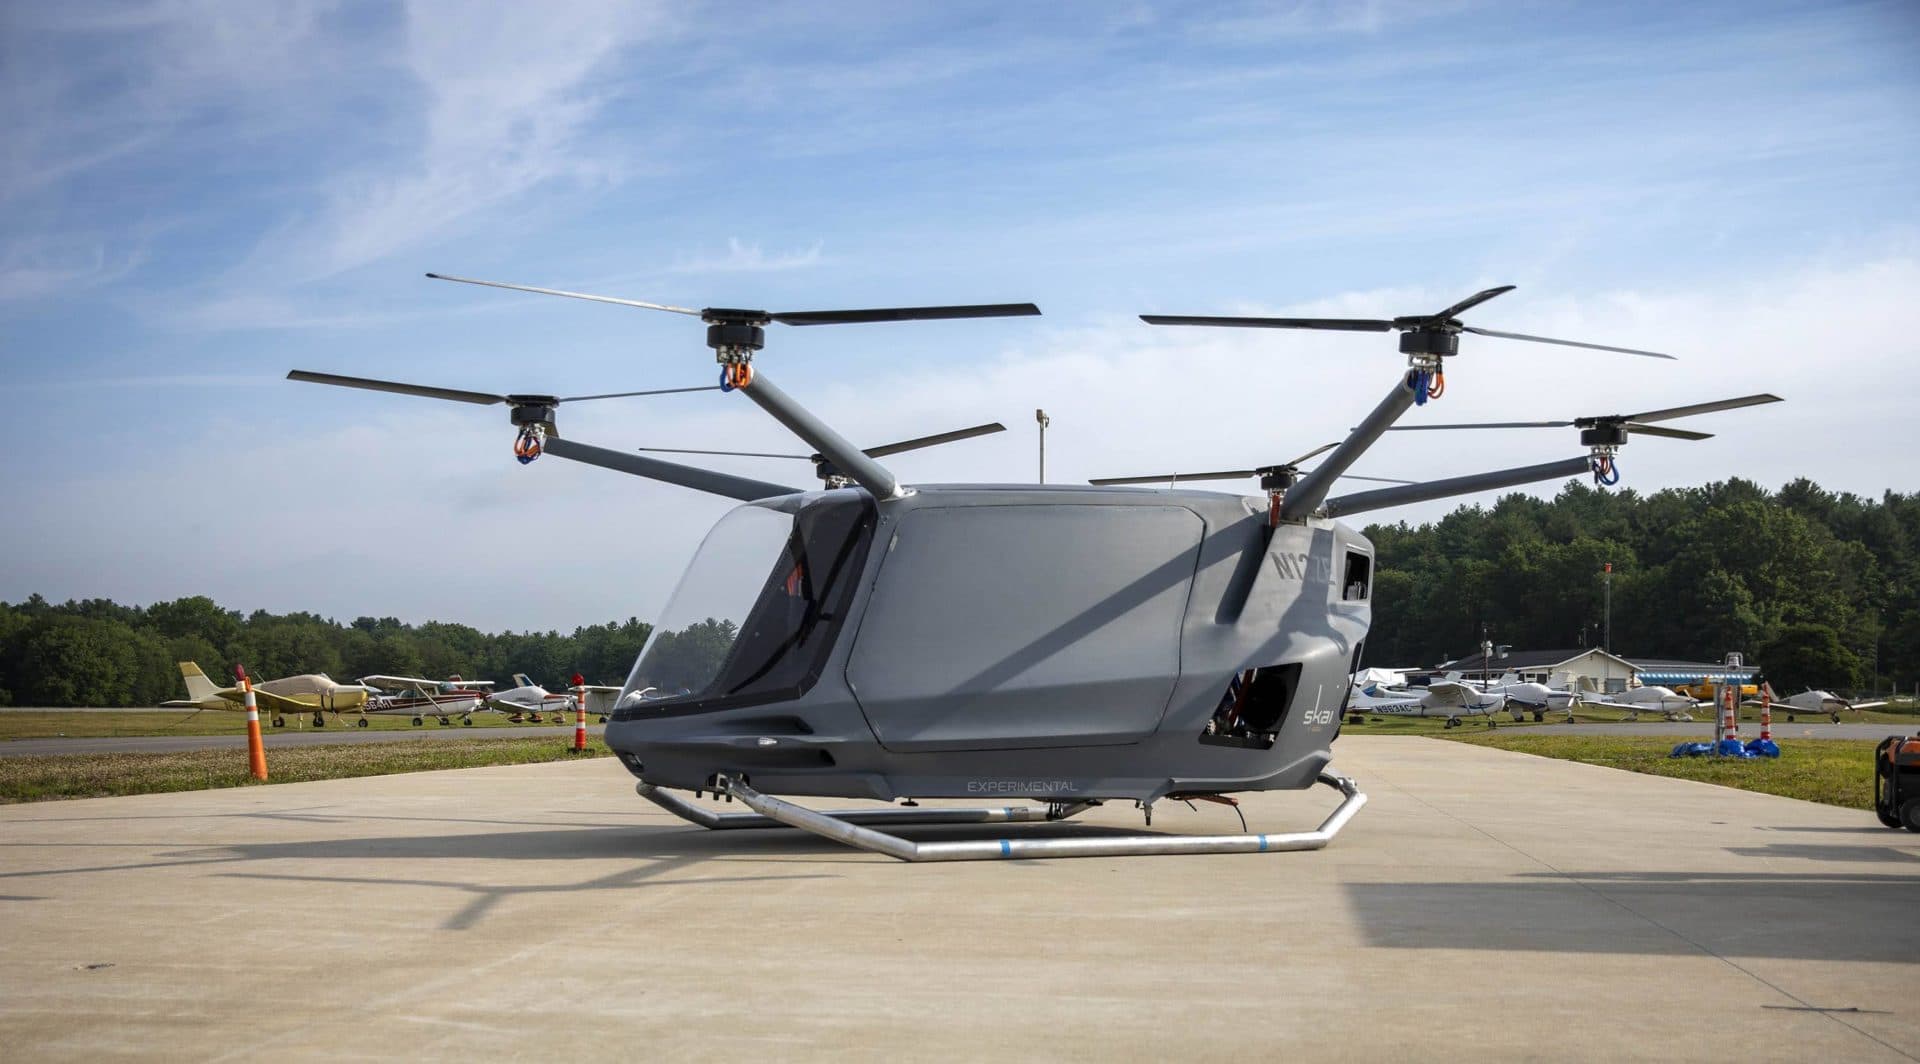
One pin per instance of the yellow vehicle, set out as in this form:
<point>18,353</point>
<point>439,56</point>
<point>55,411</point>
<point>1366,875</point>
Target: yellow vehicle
<point>1706,690</point>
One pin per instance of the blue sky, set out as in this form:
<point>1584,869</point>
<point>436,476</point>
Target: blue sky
<point>199,196</point>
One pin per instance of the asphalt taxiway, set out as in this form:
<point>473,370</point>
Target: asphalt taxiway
<point>1485,904</point>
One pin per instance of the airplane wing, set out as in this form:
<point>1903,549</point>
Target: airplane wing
<point>1451,693</point>
<point>1865,705</point>
<point>397,681</point>
<point>279,703</point>
<point>188,703</point>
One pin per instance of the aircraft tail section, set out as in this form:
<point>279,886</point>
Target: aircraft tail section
<point>199,688</point>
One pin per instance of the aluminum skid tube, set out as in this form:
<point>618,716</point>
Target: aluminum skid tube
<point>1011,814</point>
<point>841,829</point>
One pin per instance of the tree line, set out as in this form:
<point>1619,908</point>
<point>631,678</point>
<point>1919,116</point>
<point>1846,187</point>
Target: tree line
<point>95,652</point>
<point>1816,587</point>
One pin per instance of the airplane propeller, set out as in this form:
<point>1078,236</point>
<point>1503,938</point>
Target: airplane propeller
<point>1426,334</point>
<point>825,469</point>
<point>1278,476</point>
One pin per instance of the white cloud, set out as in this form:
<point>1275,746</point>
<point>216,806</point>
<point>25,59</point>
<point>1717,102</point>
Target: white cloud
<point>508,93</point>
<point>749,258</point>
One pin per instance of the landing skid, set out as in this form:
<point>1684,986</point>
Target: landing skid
<point>848,827</point>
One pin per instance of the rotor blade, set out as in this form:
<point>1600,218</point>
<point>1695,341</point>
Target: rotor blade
<point>1705,408</point>
<point>623,395</point>
<point>1235,474</point>
<point>1340,324</point>
<point>455,394</point>
<point>670,472</point>
<point>1472,301</point>
<point>1315,453</point>
<point>1487,425</point>
<point>935,440</point>
<point>736,454</point>
<point>1564,343</point>
<point>569,295</point>
<point>1376,480</point>
<point>854,317</point>
<point>1658,430</point>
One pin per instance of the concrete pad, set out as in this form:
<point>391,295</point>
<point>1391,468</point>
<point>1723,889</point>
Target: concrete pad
<point>1484,903</point>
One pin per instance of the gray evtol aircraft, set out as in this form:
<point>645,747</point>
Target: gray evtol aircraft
<point>1069,645</point>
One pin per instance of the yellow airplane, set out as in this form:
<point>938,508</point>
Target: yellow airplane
<point>312,692</point>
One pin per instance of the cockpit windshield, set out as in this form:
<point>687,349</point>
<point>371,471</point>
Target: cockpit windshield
<point>756,610</point>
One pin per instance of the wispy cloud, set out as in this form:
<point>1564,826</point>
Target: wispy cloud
<point>45,265</point>
<point>508,98</point>
<point>750,258</point>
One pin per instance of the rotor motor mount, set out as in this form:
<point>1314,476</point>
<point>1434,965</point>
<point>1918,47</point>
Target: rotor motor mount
<point>534,411</point>
<point>1429,342</point>
<point>735,340</point>
<point>1604,435</point>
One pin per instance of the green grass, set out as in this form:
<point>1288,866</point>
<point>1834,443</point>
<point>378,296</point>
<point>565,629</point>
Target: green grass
<point>52,724</point>
<point>1831,771</point>
<point>37,779</point>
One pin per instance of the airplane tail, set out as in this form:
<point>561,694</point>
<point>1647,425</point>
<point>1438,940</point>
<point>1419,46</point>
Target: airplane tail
<point>199,688</point>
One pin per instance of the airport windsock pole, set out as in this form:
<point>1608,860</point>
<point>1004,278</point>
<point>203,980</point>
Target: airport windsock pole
<point>580,719</point>
<point>256,749</point>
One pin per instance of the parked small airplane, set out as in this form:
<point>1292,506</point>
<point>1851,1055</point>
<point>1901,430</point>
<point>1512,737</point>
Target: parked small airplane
<point>1443,698</point>
<point>1651,699</point>
<point>1816,701</point>
<point>313,692</point>
<point>440,699</point>
<point>528,700</point>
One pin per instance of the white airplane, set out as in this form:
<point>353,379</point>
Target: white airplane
<point>1652,699</point>
<point>527,698</point>
<point>440,699</point>
<point>1443,698</point>
<point>1523,696</point>
<point>1815,701</point>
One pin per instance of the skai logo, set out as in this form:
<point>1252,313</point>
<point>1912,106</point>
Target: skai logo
<point>1302,567</point>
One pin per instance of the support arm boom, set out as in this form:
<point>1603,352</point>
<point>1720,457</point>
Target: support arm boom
<point>1305,497</point>
<point>845,456</point>
<point>685,476</point>
<point>1468,485</point>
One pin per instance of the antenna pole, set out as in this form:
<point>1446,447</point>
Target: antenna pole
<point>1041,417</point>
<point>1606,640</point>
<point>1307,495</point>
<point>845,456</point>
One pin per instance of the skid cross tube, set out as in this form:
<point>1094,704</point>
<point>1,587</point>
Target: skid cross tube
<point>1011,814</point>
<point>842,828</point>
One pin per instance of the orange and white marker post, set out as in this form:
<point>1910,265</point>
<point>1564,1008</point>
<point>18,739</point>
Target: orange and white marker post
<point>1766,711</point>
<point>580,719</point>
<point>1730,712</point>
<point>256,748</point>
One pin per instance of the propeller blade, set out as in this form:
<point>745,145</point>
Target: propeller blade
<point>623,395</point>
<point>1660,430</point>
<point>569,295</point>
<point>1472,301</point>
<point>935,440</point>
<point>454,394</point>
<point>1315,453</point>
<point>1376,480</point>
<point>854,317</point>
<point>1234,474</point>
<point>1340,324</point>
<point>1563,343</point>
<point>1487,425</point>
<point>735,454</point>
<point>1705,408</point>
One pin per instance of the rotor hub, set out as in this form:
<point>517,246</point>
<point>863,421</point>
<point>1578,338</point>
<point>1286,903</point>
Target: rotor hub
<point>1275,479</point>
<point>735,341</point>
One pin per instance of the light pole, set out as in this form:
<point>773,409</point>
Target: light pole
<point>1041,417</point>
<point>1606,640</point>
